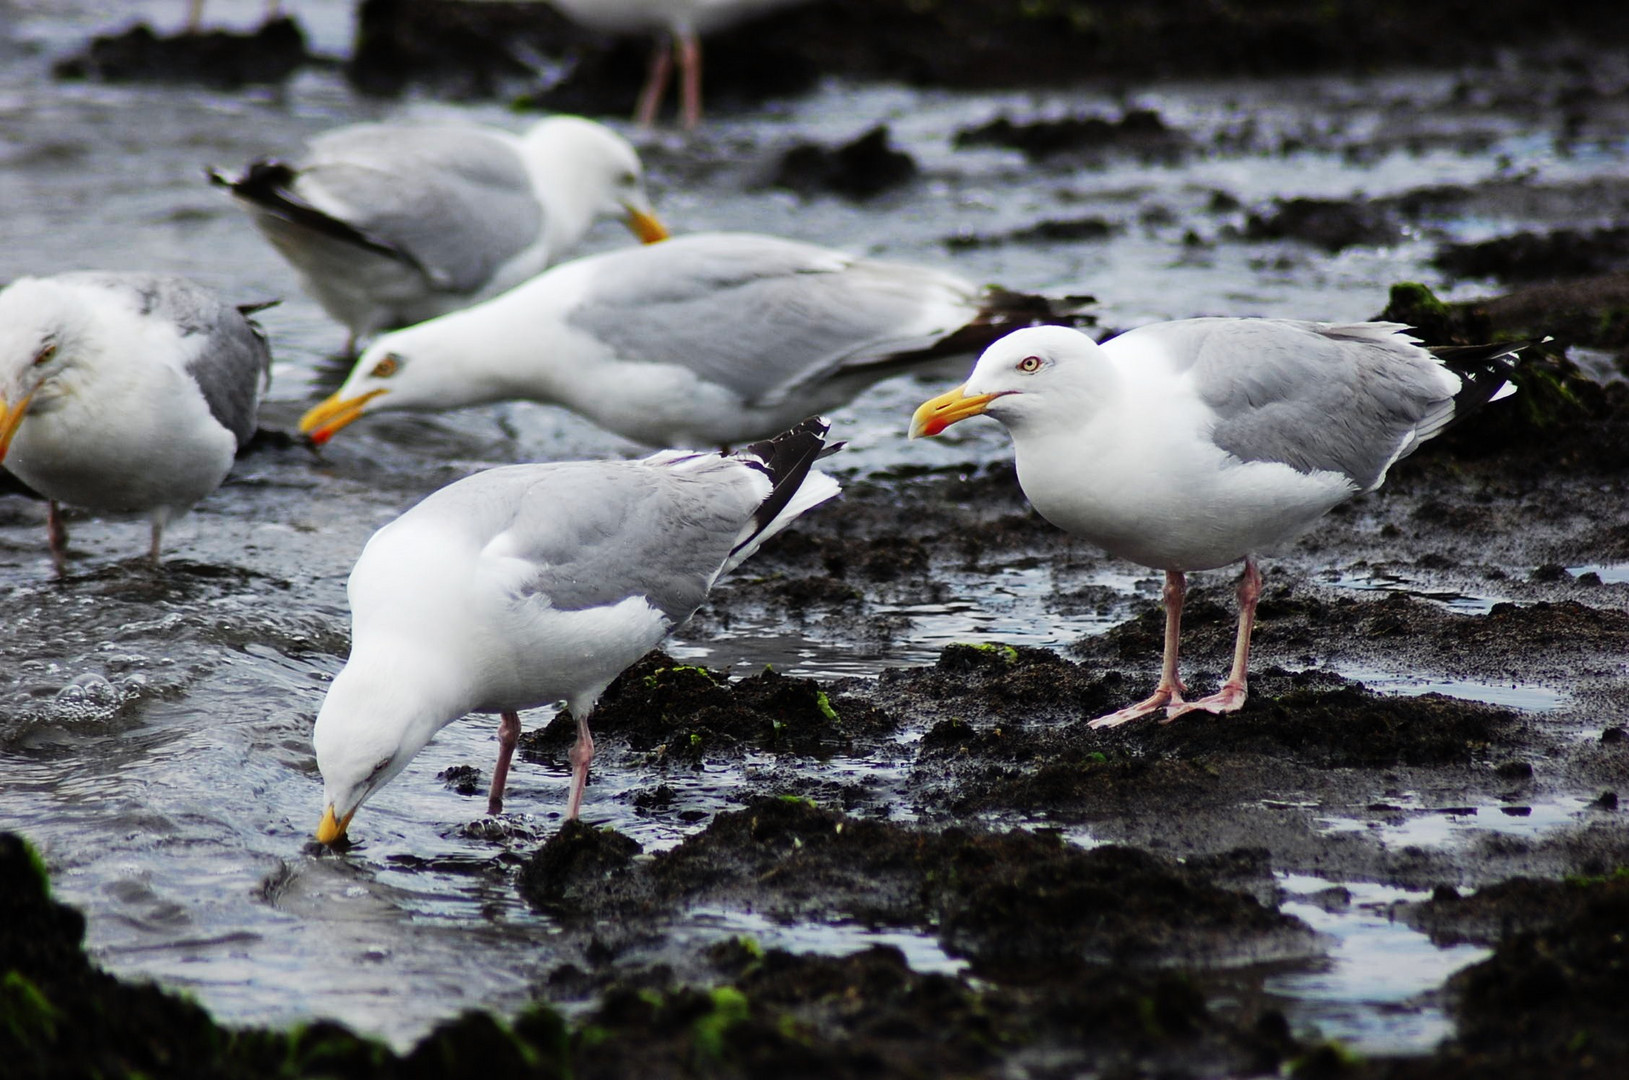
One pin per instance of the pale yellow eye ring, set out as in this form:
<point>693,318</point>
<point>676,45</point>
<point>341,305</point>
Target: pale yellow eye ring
<point>45,354</point>
<point>386,367</point>
<point>1029,365</point>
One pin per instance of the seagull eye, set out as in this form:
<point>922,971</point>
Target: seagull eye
<point>1029,365</point>
<point>387,366</point>
<point>46,352</point>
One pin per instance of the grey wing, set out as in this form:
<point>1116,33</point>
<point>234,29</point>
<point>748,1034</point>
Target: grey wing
<point>762,315</point>
<point>589,534</point>
<point>230,360</point>
<point>1347,398</point>
<point>458,202</point>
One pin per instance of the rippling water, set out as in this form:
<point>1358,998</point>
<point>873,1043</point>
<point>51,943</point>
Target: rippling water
<point>154,729</point>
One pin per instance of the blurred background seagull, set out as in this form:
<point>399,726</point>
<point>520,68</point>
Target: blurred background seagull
<point>707,340</point>
<point>678,26</point>
<point>525,585</point>
<point>195,13</point>
<point>390,224</point>
<point>1195,444</point>
<point>125,391</point>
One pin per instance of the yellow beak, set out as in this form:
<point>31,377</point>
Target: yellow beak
<point>325,419</point>
<point>643,224</point>
<point>932,417</point>
<point>9,419</point>
<point>333,829</point>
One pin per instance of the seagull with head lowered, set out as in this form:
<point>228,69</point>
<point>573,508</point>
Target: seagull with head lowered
<point>125,391</point>
<point>712,339</point>
<point>391,224</point>
<point>530,584</point>
<point>1194,444</point>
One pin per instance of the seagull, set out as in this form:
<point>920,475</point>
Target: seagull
<point>527,584</point>
<point>678,26</point>
<point>712,339</point>
<point>1196,444</point>
<point>195,13</point>
<point>125,391</point>
<point>389,224</point>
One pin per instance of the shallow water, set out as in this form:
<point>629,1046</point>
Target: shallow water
<point>154,729</point>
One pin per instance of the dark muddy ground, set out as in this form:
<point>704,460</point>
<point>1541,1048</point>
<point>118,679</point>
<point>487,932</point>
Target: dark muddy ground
<point>1094,903</point>
<point>1147,950</point>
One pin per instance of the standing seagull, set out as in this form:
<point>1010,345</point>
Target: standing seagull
<point>712,339</point>
<point>388,225</point>
<point>125,392</point>
<point>678,26</point>
<point>529,584</point>
<point>1194,444</point>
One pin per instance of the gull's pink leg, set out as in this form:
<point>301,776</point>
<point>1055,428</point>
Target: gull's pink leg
<point>582,752</point>
<point>56,534</point>
<point>1231,696</point>
<point>158,538</point>
<point>195,15</point>
<point>508,736</point>
<point>1169,691</point>
<point>650,98</point>
<point>689,48</point>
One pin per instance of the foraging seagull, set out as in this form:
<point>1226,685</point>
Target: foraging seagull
<point>712,339</point>
<point>1194,444</point>
<point>678,26</point>
<point>528,584</point>
<point>125,391</point>
<point>388,225</point>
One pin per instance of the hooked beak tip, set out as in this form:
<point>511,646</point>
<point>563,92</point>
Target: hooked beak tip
<point>332,829</point>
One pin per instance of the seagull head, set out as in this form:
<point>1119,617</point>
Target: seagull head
<point>43,334</point>
<point>421,368</point>
<point>371,724</point>
<point>588,171</point>
<point>1032,373</point>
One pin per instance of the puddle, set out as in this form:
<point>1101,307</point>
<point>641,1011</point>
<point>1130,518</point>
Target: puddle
<point>1012,607</point>
<point>1371,990</point>
<point>1413,825</point>
<point>1378,581</point>
<point>922,952</point>
<point>1525,696</point>
<point>1609,573</point>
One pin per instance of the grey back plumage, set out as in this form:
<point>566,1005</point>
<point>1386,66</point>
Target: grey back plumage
<point>593,534</point>
<point>1349,398</point>
<point>457,202</point>
<point>231,362</point>
<point>759,314</point>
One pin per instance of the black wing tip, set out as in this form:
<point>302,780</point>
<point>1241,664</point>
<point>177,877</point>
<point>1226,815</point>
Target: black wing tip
<point>265,183</point>
<point>787,459</point>
<point>255,307</point>
<point>1009,309</point>
<point>1484,370</point>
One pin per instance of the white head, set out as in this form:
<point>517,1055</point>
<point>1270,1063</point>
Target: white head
<point>374,721</point>
<point>1029,375</point>
<point>45,331</point>
<point>427,367</point>
<point>584,171</point>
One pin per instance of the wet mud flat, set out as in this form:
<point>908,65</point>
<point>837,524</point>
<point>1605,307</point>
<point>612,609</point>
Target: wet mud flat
<point>1020,894</point>
<point>1438,736</point>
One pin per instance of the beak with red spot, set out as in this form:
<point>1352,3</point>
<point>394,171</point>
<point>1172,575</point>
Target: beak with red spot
<point>953,406</point>
<point>336,412</point>
<point>10,417</point>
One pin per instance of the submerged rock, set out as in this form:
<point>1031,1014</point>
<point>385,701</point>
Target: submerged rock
<point>860,169</point>
<point>214,58</point>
